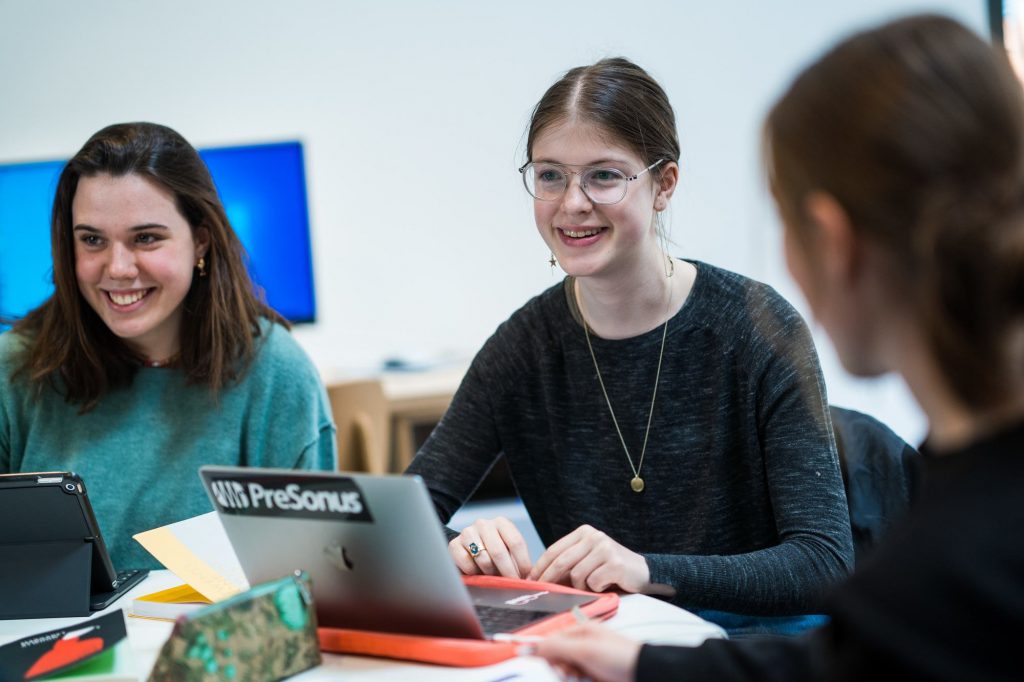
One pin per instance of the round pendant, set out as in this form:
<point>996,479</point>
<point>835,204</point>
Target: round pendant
<point>637,484</point>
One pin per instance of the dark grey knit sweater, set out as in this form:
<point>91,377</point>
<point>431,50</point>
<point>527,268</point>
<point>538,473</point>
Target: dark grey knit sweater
<point>743,510</point>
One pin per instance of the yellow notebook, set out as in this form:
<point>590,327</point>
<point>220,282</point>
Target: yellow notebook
<point>198,552</point>
<point>168,604</point>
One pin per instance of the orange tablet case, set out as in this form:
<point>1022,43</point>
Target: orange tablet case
<point>464,652</point>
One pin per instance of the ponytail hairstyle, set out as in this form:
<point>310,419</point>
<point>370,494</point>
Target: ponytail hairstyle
<point>916,128</point>
<point>70,347</point>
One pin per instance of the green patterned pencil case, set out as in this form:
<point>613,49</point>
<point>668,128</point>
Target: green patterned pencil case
<point>267,633</point>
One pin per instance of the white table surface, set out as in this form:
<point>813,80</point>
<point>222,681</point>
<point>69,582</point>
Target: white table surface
<point>639,616</point>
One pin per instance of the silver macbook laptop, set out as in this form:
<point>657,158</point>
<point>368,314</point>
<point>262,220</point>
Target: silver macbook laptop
<point>374,548</point>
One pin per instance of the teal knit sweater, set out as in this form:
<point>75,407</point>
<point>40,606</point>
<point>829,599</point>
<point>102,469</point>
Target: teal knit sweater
<point>138,451</point>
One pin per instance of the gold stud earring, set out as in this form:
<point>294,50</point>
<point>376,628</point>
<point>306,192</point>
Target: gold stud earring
<point>201,266</point>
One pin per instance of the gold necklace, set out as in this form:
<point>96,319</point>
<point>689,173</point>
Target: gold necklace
<point>146,362</point>
<point>636,483</point>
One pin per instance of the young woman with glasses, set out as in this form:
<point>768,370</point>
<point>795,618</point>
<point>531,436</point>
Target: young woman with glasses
<point>897,162</point>
<point>154,354</point>
<point>664,420</point>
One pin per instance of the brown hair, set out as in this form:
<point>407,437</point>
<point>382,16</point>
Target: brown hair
<point>72,349</point>
<point>917,129</point>
<point>618,96</point>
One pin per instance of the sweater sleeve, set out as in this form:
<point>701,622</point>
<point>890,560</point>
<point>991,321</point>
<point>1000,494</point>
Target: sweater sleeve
<point>762,659</point>
<point>5,433</point>
<point>321,454</point>
<point>10,345</point>
<point>465,444</point>
<point>794,434</point>
<point>288,420</point>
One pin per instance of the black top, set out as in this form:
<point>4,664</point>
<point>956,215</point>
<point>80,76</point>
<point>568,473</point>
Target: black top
<point>880,472</point>
<point>941,598</point>
<point>743,509</point>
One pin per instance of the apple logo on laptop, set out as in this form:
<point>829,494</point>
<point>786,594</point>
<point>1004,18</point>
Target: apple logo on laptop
<point>338,557</point>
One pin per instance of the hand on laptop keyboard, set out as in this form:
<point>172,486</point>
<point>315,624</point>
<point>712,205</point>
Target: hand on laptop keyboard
<point>589,559</point>
<point>491,547</point>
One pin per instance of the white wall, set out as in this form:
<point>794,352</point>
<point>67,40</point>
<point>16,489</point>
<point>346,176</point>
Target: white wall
<point>413,115</point>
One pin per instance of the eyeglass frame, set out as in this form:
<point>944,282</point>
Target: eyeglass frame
<point>583,188</point>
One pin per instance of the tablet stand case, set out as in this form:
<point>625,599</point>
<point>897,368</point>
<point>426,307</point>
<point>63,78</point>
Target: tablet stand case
<point>45,579</point>
<point>453,651</point>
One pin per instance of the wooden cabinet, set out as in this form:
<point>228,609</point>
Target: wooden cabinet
<point>377,417</point>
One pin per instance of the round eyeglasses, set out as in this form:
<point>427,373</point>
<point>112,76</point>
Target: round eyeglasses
<point>548,181</point>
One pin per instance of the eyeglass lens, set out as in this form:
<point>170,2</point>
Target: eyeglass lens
<point>548,182</point>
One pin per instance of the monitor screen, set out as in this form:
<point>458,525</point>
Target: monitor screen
<point>262,187</point>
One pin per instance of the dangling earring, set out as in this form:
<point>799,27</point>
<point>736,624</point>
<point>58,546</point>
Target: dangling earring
<point>670,265</point>
<point>552,262</point>
<point>201,266</point>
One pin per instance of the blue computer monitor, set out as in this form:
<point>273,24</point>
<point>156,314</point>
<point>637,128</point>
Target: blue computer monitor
<point>262,186</point>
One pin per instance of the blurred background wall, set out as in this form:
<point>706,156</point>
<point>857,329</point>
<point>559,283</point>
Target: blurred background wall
<point>413,116</point>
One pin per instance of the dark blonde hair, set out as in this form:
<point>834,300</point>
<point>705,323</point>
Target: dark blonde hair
<point>72,349</point>
<point>618,96</point>
<point>917,129</point>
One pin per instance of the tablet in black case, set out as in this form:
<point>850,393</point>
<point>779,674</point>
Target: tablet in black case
<point>43,518</point>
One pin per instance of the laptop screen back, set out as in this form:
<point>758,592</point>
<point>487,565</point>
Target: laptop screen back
<point>372,545</point>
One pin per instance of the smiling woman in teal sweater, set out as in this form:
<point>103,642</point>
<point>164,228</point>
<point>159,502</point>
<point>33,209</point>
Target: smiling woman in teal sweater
<point>154,355</point>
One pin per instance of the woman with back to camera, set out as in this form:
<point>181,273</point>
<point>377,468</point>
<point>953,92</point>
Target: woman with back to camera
<point>897,162</point>
<point>664,420</point>
<point>154,354</point>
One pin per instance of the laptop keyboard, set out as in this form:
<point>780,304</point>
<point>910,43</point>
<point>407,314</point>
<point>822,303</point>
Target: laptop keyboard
<point>496,619</point>
<point>126,580</point>
<point>125,576</point>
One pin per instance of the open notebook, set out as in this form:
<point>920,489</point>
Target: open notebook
<point>198,552</point>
